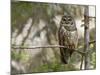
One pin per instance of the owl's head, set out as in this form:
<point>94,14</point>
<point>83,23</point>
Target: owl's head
<point>68,22</point>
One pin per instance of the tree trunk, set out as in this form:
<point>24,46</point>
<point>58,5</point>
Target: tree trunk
<point>86,38</point>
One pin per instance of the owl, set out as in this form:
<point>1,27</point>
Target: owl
<point>68,36</point>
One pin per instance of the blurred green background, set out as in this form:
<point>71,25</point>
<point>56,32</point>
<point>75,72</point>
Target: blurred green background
<point>36,24</point>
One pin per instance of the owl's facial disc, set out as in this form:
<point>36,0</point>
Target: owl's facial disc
<point>66,21</point>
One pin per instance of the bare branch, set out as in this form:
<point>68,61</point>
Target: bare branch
<point>92,17</point>
<point>92,42</point>
<point>47,46</point>
<point>34,47</point>
<point>81,62</point>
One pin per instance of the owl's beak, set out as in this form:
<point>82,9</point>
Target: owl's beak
<point>64,25</point>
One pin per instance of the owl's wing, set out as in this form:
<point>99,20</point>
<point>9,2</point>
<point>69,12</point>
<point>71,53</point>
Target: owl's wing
<point>64,56</point>
<point>61,37</point>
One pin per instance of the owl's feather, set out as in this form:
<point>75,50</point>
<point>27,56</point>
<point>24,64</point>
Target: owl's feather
<point>67,38</point>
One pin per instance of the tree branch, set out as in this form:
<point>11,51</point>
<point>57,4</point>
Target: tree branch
<point>47,46</point>
<point>92,42</point>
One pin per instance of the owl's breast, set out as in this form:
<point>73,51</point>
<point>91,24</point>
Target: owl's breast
<point>70,37</point>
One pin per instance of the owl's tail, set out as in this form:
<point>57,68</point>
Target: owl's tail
<point>63,60</point>
<point>64,56</point>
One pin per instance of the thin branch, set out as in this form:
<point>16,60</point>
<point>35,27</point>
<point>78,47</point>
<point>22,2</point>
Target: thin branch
<point>81,62</point>
<point>47,46</point>
<point>92,17</point>
<point>92,42</point>
<point>34,47</point>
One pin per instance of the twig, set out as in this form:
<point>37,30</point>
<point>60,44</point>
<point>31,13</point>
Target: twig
<point>92,42</point>
<point>34,47</point>
<point>81,62</point>
<point>47,46</point>
<point>92,17</point>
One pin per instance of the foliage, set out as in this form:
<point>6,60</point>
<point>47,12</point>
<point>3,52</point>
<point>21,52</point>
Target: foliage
<point>55,67</point>
<point>93,62</point>
<point>16,56</point>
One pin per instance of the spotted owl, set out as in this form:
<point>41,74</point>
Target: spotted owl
<point>68,36</point>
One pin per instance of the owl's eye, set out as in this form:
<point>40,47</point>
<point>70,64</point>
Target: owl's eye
<point>64,19</point>
<point>69,19</point>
